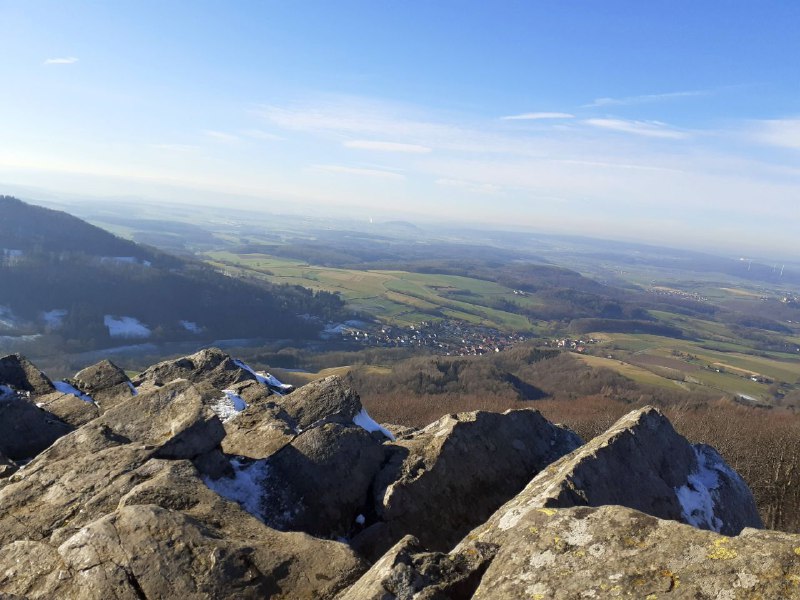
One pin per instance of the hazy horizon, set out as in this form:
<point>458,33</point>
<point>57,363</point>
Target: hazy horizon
<point>671,124</point>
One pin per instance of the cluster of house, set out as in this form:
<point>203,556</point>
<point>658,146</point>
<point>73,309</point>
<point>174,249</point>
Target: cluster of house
<point>447,337</point>
<point>570,344</point>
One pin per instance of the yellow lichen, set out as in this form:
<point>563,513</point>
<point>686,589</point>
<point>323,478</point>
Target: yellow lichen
<point>797,551</point>
<point>538,597</point>
<point>795,579</point>
<point>534,530</point>
<point>547,511</point>
<point>720,551</point>
<point>651,597</point>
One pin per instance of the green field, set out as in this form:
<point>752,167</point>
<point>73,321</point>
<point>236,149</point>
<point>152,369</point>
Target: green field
<point>394,297</point>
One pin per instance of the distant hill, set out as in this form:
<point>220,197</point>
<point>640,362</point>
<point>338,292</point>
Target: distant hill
<point>86,288</point>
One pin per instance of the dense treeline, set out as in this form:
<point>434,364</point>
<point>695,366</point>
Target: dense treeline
<point>89,289</point>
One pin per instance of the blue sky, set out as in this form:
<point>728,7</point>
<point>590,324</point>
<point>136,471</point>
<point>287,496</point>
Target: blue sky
<point>666,121</point>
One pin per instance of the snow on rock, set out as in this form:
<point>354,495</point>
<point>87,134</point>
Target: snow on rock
<point>366,422</point>
<point>126,327</point>
<point>54,319</point>
<point>245,487</point>
<point>191,326</point>
<point>264,378</point>
<point>6,392</point>
<point>230,405</point>
<point>134,391</point>
<point>65,388</point>
<point>699,495</point>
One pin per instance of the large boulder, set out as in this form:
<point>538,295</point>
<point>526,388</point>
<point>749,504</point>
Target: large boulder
<point>613,551</point>
<point>69,408</point>
<point>26,429</point>
<point>408,572</point>
<point>452,475</point>
<point>18,373</point>
<point>641,462</point>
<point>173,417</point>
<point>105,382</point>
<point>170,536</point>
<point>267,425</point>
<point>327,400</point>
<point>320,482</point>
<point>211,366</point>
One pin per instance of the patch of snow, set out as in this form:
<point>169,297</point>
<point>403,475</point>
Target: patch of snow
<point>54,319</point>
<point>6,392</point>
<point>65,388</point>
<point>134,391</point>
<point>360,519</point>
<point>191,326</point>
<point>230,405</point>
<point>125,260</point>
<point>10,252</point>
<point>366,422</point>
<point>245,487</point>
<point>126,327</point>
<point>264,378</point>
<point>697,497</point>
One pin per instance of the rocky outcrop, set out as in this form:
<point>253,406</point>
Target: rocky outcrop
<point>642,463</point>
<point>105,383</point>
<point>26,429</point>
<point>267,425</point>
<point>327,400</point>
<point>210,366</point>
<point>408,572</point>
<point>613,551</point>
<point>18,373</point>
<point>452,475</point>
<point>320,482</point>
<point>167,536</point>
<point>174,417</point>
<point>210,482</point>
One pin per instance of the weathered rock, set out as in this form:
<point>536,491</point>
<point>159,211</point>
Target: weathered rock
<point>266,426</point>
<point>211,366</point>
<point>613,551</point>
<point>105,382</point>
<point>320,482</point>
<point>170,536</point>
<point>408,572</point>
<point>19,373</point>
<point>452,475</point>
<point>327,400</point>
<point>642,463</point>
<point>81,477</point>
<point>69,408</point>
<point>25,429</point>
<point>258,431</point>
<point>173,417</point>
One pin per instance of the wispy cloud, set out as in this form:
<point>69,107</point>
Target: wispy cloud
<point>470,186</point>
<point>535,116</point>
<point>387,146</point>
<point>645,98</point>
<point>65,60</point>
<point>177,147</point>
<point>777,132</point>
<point>259,134</point>
<point>359,171</point>
<point>654,129</point>
<point>221,136</point>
